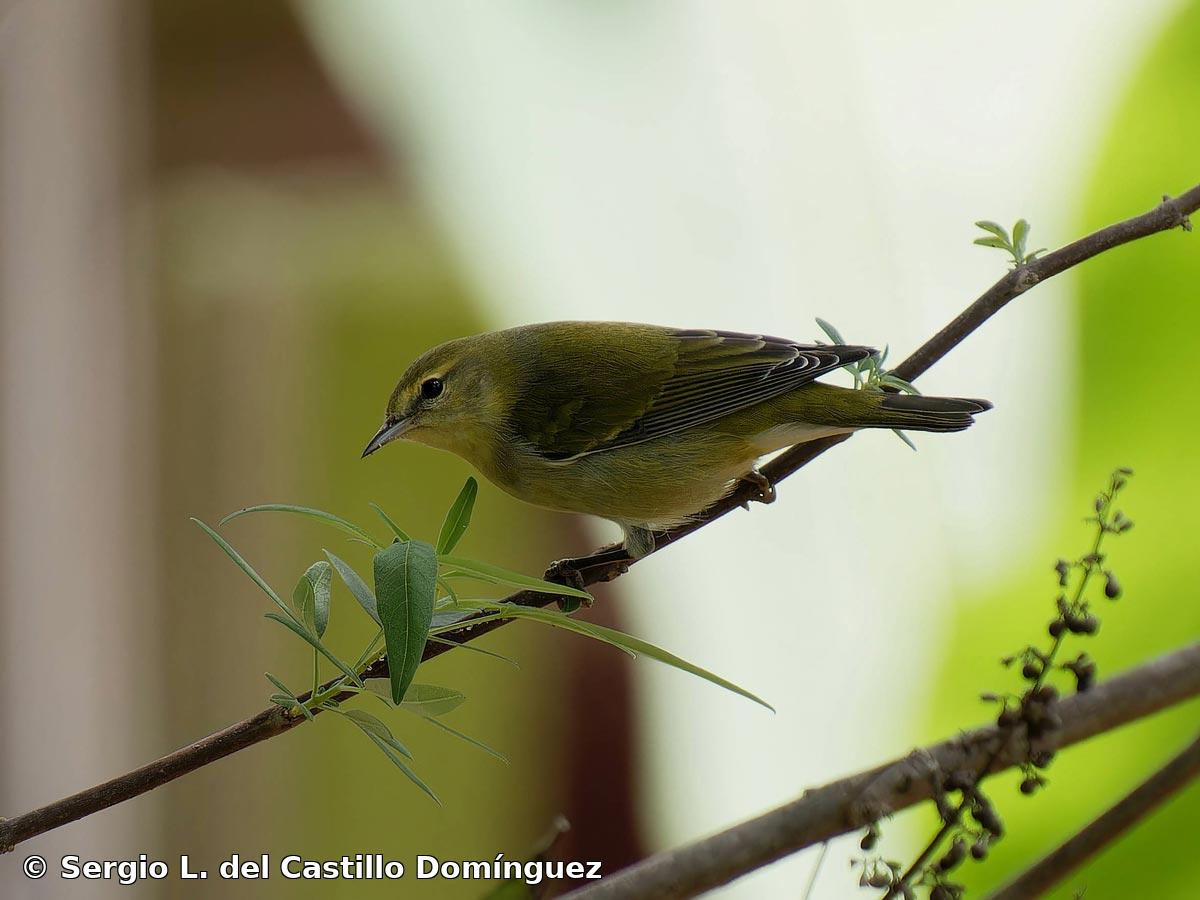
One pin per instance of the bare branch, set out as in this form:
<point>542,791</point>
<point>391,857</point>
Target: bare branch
<point>1102,831</point>
<point>605,565</point>
<point>852,803</point>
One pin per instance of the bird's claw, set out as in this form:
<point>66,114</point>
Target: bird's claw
<point>567,572</point>
<point>762,484</point>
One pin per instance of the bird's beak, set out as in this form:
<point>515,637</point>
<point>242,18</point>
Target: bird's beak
<point>385,435</point>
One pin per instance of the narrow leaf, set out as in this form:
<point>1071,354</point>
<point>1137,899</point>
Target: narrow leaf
<point>287,692</point>
<point>321,575</point>
<point>628,643</point>
<point>470,740</point>
<point>458,517</point>
<point>304,600</point>
<point>358,587</point>
<point>1019,233</point>
<point>904,437</point>
<point>396,529</point>
<point>374,725</point>
<point>432,699</point>
<point>474,649</point>
<point>405,588</point>
<point>897,382</point>
<point>830,332</point>
<point>246,567</point>
<point>487,572</point>
<point>399,763</point>
<point>319,514</point>
<point>994,227</point>
<point>311,639</point>
<point>998,243</point>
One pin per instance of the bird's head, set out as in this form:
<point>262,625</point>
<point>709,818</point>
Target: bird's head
<point>449,398</point>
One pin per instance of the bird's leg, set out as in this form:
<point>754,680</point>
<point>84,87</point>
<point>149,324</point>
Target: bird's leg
<point>766,490</point>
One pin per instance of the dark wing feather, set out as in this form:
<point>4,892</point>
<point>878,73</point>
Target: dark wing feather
<point>661,382</point>
<point>718,373</point>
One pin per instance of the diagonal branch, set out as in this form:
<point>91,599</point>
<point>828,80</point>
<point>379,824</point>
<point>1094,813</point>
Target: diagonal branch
<point>1127,812</point>
<point>604,566</point>
<point>852,803</point>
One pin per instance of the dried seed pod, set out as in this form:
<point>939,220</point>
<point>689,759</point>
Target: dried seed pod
<point>1112,587</point>
<point>1029,785</point>
<point>1057,627</point>
<point>955,855</point>
<point>1031,671</point>
<point>979,849</point>
<point>985,814</point>
<point>1063,569</point>
<point>1042,758</point>
<point>869,839</point>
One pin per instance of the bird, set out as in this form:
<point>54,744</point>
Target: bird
<point>643,425</point>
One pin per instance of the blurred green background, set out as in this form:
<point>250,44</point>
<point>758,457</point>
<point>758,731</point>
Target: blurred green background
<point>1135,309</point>
<point>228,227</point>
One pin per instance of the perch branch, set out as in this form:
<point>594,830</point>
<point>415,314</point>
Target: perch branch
<point>852,803</point>
<point>604,566</point>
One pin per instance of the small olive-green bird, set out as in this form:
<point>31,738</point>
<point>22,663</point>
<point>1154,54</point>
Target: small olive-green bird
<point>639,424</point>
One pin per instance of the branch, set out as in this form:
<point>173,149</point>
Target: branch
<point>852,803</point>
<point>605,565</point>
<point>1111,824</point>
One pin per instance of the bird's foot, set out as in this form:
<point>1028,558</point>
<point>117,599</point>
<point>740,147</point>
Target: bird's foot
<point>762,484</point>
<point>578,572</point>
<point>568,572</point>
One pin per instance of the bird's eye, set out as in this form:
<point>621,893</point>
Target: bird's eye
<point>431,387</point>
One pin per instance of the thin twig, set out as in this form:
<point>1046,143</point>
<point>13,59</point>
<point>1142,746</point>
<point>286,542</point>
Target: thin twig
<point>1102,831</point>
<point>603,566</point>
<point>851,803</point>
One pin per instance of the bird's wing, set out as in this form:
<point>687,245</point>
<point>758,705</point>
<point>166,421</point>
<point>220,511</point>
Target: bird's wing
<point>684,379</point>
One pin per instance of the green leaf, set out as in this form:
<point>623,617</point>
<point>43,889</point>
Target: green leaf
<point>898,382</point>
<point>432,699</point>
<point>405,588</point>
<point>495,574</point>
<point>287,692</point>
<point>998,243</point>
<point>474,649</point>
<point>319,514</point>
<point>311,639</point>
<point>449,617</point>
<point>830,332</point>
<point>390,752</point>
<point>904,437</point>
<point>304,600</point>
<point>381,737</point>
<point>630,644</point>
<point>374,725</point>
<point>246,567</point>
<point>358,587</point>
<point>1019,233</point>
<point>320,576</point>
<point>994,227</point>
<point>458,517</point>
<point>470,740</point>
<point>396,529</point>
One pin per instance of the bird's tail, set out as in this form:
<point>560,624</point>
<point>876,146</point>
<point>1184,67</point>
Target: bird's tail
<point>873,409</point>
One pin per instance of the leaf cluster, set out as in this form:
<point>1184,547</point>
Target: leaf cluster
<point>1013,244</point>
<point>416,596</point>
